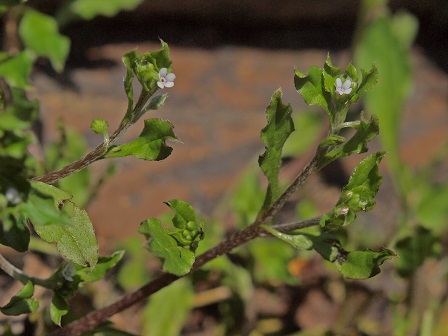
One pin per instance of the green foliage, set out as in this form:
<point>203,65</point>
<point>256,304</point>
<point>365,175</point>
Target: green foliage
<point>68,278</point>
<point>414,249</point>
<point>175,246</point>
<point>88,9</point>
<point>170,314</point>
<point>16,69</point>
<point>274,136</point>
<point>58,308</point>
<point>318,87</point>
<point>150,145</point>
<point>71,230</point>
<point>146,67</point>
<point>358,194</point>
<point>22,302</point>
<point>380,43</point>
<point>40,35</point>
<point>132,273</point>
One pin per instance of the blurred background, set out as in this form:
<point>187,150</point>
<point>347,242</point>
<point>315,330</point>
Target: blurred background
<point>229,57</point>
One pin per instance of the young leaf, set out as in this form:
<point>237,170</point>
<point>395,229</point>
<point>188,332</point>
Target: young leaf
<point>150,145</point>
<point>274,135</point>
<point>311,87</point>
<point>176,246</point>
<point>298,241</point>
<point>351,264</point>
<point>146,67</point>
<point>104,265</point>
<point>358,194</point>
<point>189,231</point>
<point>73,233</point>
<point>362,264</point>
<point>21,303</point>
<point>334,148</point>
<point>171,307</point>
<point>178,260</point>
<point>415,249</point>
<point>40,34</point>
<point>58,308</point>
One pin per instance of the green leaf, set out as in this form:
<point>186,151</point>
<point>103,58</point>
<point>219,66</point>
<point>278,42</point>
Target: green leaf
<point>72,232</point>
<point>21,303</point>
<point>368,81</point>
<point>21,114</point>
<point>298,241</point>
<point>270,259</point>
<point>274,135</point>
<point>146,67</point>
<point>362,264</point>
<point>176,246</point>
<point>358,194</point>
<point>432,210</point>
<point>131,274</point>
<point>168,309</point>
<point>150,145</point>
<point>311,87</point>
<point>16,69</point>
<point>58,308</point>
<point>40,34</point>
<point>42,206</point>
<point>189,231</point>
<point>88,9</point>
<point>387,98</point>
<point>104,265</point>
<point>414,249</point>
<point>351,264</point>
<point>334,148</point>
<point>178,260</point>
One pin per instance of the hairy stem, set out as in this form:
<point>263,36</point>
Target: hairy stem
<point>92,320</point>
<point>17,273</point>
<point>98,152</point>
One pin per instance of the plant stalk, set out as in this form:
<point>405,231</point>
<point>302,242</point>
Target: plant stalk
<point>95,318</point>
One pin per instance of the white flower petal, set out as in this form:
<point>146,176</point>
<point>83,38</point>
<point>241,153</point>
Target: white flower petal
<point>171,77</point>
<point>161,85</point>
<point>169,84</point>
<point>162,72</point>
<point>338,83</point>
<point>347,84</point>
<point>347,91</point>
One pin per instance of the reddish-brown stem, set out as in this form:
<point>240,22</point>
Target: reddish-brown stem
<point>92,320</point>
<point>99,151</point>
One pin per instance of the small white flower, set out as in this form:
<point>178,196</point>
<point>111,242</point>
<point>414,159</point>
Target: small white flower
<point>165,79</point>
<point>69,272</point>
<point>343,88</point>
<point>12,195</point>
<point>343,211</point>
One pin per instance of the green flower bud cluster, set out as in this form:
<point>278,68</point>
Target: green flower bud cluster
<point>146,67</point>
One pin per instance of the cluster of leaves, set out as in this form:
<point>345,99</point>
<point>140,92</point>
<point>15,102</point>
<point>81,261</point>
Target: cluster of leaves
<point>58,218</point>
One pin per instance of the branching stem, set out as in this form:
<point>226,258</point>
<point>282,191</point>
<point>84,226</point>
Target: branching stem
<point>98,152</point>
<point>92,320</point>
<point>17,274</point>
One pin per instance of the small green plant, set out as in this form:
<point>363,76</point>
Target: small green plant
<point>45,200</point>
